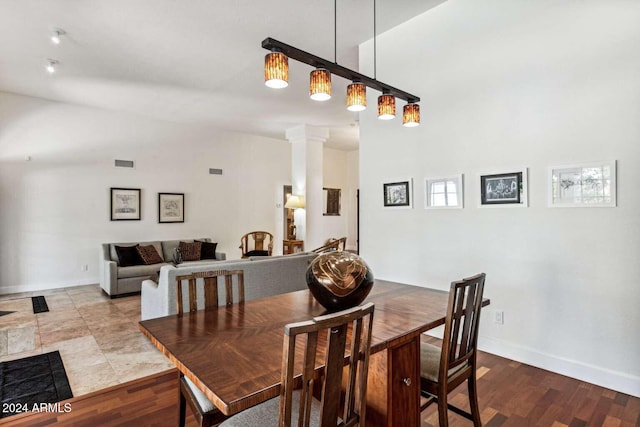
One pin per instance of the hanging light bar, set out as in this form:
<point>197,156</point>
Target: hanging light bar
<point>356,97</point>
<point>276,70</point>
<point>336,69</point>
<point>411,115</point>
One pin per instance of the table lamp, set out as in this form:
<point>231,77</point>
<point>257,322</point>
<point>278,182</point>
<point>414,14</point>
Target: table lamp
<point>293,202</point>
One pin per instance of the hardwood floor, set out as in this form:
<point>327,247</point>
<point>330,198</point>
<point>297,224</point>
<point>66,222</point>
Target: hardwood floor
<point>511,394</point>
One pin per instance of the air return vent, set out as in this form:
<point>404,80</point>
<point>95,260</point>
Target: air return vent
<point>213,171</point>
<point>124,163</point>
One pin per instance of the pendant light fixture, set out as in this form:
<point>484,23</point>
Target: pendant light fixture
<point>276,74</point>
<point>386,107</point>
<point>320,85</point>
<point>411,115</point>
<point>356,97</point>
<point>276,70</point>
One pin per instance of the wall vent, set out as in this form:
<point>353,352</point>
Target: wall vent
<point>213,171</point>
<point>124,163</point>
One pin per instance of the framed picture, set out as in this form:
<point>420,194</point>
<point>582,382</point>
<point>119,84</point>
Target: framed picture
<point>170,207</point>
<point>504,189</point>
<point>125,204</point>
<point>583,185</point>
<point>443,192</point>
<point>331,202</point>
<point>398,194</point>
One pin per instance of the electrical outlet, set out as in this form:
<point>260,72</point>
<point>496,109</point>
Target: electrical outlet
<point>498,317</point>
<point>84,267</point>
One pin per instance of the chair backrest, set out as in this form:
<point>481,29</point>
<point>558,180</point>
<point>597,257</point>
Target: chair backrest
<point>332,245</point>
<point>210,279</point>
<point>257,241</point>
<point>460,338</point>
<point>348,341</point>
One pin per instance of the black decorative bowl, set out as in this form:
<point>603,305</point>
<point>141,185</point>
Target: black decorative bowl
<point>339,280</point>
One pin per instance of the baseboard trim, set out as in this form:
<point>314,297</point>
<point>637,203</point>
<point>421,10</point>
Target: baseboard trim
<point>614,380</point>
<point>22,289</point>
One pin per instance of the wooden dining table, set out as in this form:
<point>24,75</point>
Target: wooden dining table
<point>234,354</point>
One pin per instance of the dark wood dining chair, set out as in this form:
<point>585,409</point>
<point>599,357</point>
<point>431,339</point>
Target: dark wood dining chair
<point>443,369</point>
<point>256,243</point>
<point>205,412</point>
<point>332,245</point>
<point>348,340</point>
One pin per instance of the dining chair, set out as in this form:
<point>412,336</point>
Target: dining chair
<point>256,243</point>
<point>205,412</point>
<point>347,335</point>
<point>443,369</point>
<point>332,245</point>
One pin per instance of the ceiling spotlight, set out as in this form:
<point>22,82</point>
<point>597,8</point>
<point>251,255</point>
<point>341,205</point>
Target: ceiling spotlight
<point>55,36</point>
<point>51,65</point>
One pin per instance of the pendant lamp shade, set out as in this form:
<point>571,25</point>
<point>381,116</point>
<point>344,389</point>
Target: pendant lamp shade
<point>276,70</point>
<point>386,107</point>
<point>356,97</point>
<point>411,115</point>
<point>320,85</point>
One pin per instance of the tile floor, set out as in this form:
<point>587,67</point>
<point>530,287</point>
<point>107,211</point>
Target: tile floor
<point>98,337</point>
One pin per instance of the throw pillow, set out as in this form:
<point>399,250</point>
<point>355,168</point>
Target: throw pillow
<point>208,250</point>
<point>149,254</point>
<point>190,251</point>
<point>128,256</point>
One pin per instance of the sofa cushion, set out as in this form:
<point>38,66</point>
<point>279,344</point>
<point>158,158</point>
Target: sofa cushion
<point>139,270</point>
<point>190,251</point>
<point>169,246</point>
<point>208,250</point>
<point>114,255</point>
<point>128,256</point>
<point>256,253</point>
<point>149,255</point>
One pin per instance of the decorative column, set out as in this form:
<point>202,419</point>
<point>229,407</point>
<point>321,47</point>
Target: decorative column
<point>306,180</point>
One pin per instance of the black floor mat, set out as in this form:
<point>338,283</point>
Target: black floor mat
<point>39,305</point>
<point>32,381</point>
<point>4,313</point>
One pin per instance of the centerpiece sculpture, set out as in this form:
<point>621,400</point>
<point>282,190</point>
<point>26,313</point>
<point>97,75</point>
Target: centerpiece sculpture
<point>339,280</point>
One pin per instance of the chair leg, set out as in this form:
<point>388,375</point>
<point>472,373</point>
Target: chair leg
<point>443,415</point>
<point>183,406</point>
<point>473,400</point>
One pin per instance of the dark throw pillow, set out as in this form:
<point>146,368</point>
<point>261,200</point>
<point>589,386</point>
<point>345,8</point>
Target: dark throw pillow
<point>128,256</point>
<point>257,253</point>
<point>149,254</point>
<point>208,250</point>
<point>190,251</point>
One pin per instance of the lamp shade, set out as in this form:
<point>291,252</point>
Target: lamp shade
<point>276,70</point>
<point>294,202</point>
<point>411,115</point>
<point>356,97</point>
<point>386,107</point>
<point>320,85</point>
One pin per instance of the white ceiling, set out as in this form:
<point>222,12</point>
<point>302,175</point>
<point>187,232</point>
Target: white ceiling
<point>191,61</point>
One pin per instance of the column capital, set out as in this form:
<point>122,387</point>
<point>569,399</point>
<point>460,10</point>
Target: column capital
<point>307,133</point>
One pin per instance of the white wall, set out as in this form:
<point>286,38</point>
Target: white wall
<point>54,209</point>
<point>506,84</point>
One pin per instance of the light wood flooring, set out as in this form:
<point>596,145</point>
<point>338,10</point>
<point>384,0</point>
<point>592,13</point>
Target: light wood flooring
<point>511,393</point>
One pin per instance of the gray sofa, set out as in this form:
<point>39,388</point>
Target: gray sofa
<point>263,276</point>
<point>117,281</point>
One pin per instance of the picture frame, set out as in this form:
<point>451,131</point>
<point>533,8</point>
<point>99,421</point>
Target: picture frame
<point>444,192</point>
<point>170,207</point>
<point>398,194</point>
<point>506,188</point>
<point>331,202</point>
<point>125,204</point>
<point>586,185</point>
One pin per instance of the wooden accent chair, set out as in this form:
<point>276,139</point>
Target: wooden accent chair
<point>443,369</point>
<point>205,412</point>
<point>332,245</point>
<point>256,243</point>
<point>348,341</point>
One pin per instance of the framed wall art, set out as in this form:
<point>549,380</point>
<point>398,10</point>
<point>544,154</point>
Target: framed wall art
<point>331,202</point>
<point>582,185</point>
<point>444,192</point>
<point>170,207</point>
<point>398,194</point>
<point>504,189</point>
<point>125,204</point>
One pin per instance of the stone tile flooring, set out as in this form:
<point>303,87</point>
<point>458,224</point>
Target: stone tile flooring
<point>98,337</point>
